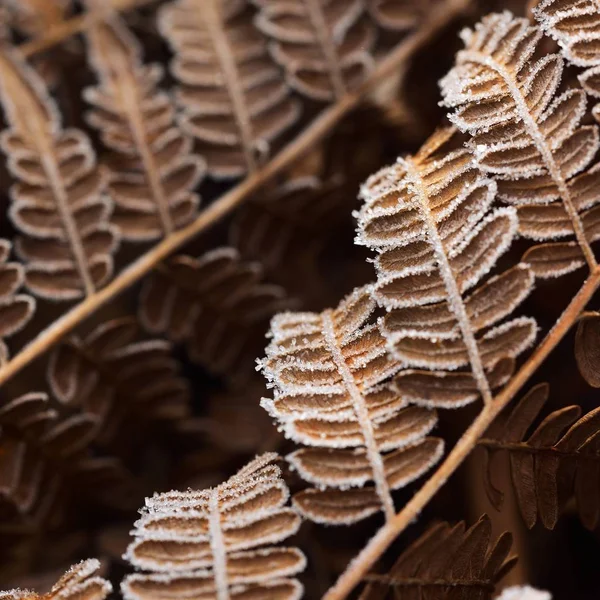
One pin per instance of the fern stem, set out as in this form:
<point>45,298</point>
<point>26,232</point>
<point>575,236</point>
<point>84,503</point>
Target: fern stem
<point>455,301</point>
<point>542,147</point>
<point>390,531</point>
<point>362,415</point>
<point>217,210</point>
<point>217,547</point>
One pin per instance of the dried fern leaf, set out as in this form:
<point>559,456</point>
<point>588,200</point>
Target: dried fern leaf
<point>446,562</point>
<point>40,453</point>
<point>234,101</point>
<point>587,348</point>
<point>429,219</point>
<point>220,542</point>
<point>560,459</point>
<point>528,137</point>
<point>152,175</point>
<point>323,45</point>
<point>575,25</point>
<point>115,374</point>
<point>36,17</point>
<point>328,371</point>
<point>15,309</point>
<point>287,227</point>
<point>79,583</point>
<point>217,305</point>
<point>67,242</point>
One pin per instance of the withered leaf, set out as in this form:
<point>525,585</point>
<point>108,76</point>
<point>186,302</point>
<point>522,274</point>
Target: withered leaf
<point>220,542</point>
<point>558,460</point>
<point>79,583</point>
<point>446,562</point>
<point>323,45</point>
<point>328,370</point>
<point>429,219</point>
<point>528,135</point>
<point>217,305</point>
<point>67,243</point>
<point>235,102</point>
<point>153,174</point>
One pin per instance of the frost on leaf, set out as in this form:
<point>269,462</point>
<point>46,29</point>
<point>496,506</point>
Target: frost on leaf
<point>57,202</point>
<point>328,371</point>
<point>431,222</point>
<point>575,25</point>
<point>530,138</point>
<point>217,305</point>
<point>78,583</point>
<point>323,45</point>
<point>152,172</point>
<point>558,460</point>
<point>115,374</point>
<point>218,543</point>
<point>447,562</point>
<point>234,100</point>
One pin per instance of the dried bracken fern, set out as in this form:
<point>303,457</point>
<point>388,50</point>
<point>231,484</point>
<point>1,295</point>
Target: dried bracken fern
<point>219,543</point>
<point>446,562</point>
<point>429,218</point>
<point>217,305</point>
<point>234,100</point>
<point>15,309</point>
<point>152,175</point>
<point>529,138</point>
<point>559,459</point>
<point>324,45</point>
<point>34,17</point>
<point>114,374</point>
<point>587,348</point>
<point>79,583</point>
<point>328,371</point>
<point>68,243</point>
<point>398,15</point>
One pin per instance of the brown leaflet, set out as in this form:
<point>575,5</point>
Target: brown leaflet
<point>324,45</point>
<point>221,542</point>
<point>328,370</point>
<point>234,101</point>
<point>446,561</point>
<point>217,305</point>
<point>115,373</point>
<point>398,16</point>
<point>57,202</point>
<point>558,460</point>
<point>587,348</point>
<point>152,172</point>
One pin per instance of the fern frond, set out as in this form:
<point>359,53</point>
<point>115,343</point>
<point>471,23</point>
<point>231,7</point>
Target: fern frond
<point>328,371</point>
<point>587,348</point>
<point>234,101</point>
<point>323,45</point>
<point>114,374</point>
<point>152,175</point>
<point>529,138</point>
<point>429,218</point>
<point>219,542</point>
<point>15,309</point>
<point>558,460</point>
<point>447,562</point>
<point>79,583</point>
<point>217,305</point>
<point>58,206</point>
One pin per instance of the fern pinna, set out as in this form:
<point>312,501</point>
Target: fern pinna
<point>328,370</point>
<point>529,138</point>
<point>218,543</point>
<point>429,218</point>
